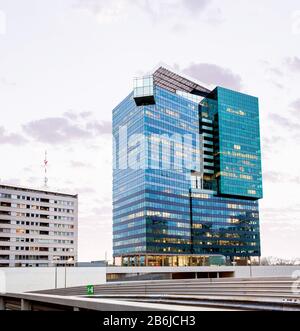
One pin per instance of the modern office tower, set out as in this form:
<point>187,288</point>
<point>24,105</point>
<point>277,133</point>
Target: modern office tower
<point>187,174</point>
<point>38,228</point>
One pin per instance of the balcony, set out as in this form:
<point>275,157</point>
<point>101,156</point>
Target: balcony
<point>143,91</point>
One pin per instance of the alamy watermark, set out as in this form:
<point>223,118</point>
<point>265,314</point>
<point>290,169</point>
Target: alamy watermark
<point>3,23</point>
<point>296,22</point>
<point>163,152</point>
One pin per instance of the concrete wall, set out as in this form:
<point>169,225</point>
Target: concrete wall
<point>141,270</point>
<point>262,271</point>
<point>239,272</point>
<point>17,280</point>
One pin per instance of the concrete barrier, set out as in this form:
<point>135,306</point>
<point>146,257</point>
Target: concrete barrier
<point>18,280</point>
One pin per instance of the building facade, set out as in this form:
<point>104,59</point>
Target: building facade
<point>38,228</point>
<point>187,174</point>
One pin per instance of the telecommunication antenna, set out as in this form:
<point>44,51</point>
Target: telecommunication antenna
<point>45,167</point>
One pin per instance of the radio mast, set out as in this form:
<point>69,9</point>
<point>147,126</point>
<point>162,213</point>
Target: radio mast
<point>45,167</point>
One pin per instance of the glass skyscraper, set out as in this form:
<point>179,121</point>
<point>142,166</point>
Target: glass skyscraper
<point>187,174</point>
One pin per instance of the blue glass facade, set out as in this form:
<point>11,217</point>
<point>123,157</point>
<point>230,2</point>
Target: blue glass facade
<point>226,226</point>
<point>237,145</point>
<point>173,150</point>
<point>129,224</point>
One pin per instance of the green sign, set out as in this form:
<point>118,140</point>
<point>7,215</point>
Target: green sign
<point>90,290</point>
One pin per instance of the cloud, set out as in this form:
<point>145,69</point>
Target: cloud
<point>293,63</point>
<point>85,114</point>
<point>100,128</point>
<point>214,74</point>
<point>163,11</point>
<point>295,113</point>
<point>27,169</point>
<point>69,127</point>
<point>194,6</point>
<point>179,28</point>
<point>33,181</point>
<point>11,181</point>
<point>276,84</point>
<point>156,8</point>
<point>214,17</point>
<point>275,71</point>
<point>71,115</point>
<point>85,190</point>
<point>102,211</point>
<point>285,122</point>
<point>78,164</point>
<point>116,10</point>
<point>55,130</point>
<point>280,177</point>
<point>105,11</point>
<point>273,75</point>
<point>272,176</point>
<point>81,190</point>
<point>4,81</point>
<point>11,138</point>
<point>296,105</point>
<point>270,145</point>
<point>288,215</point>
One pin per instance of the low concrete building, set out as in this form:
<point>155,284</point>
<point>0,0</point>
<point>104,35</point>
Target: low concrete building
<point>92,264</point>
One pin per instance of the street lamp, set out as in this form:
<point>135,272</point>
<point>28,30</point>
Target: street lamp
<point>250,265</point>
<point>69,261</point>
<point>54,261</point>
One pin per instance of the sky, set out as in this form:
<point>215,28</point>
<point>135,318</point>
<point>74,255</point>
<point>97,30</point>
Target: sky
<point>65,64</point>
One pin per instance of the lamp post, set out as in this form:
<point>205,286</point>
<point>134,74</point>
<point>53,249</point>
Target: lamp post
<point>54,261</point>
<point>250,265</point>
<point>70,260</point>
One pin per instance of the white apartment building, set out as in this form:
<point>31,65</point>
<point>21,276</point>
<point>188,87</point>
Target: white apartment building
<point>38,228</point>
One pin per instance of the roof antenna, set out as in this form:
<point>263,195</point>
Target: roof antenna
<point>45,167</point>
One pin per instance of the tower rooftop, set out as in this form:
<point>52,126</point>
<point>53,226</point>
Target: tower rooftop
<point>172,82</point>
